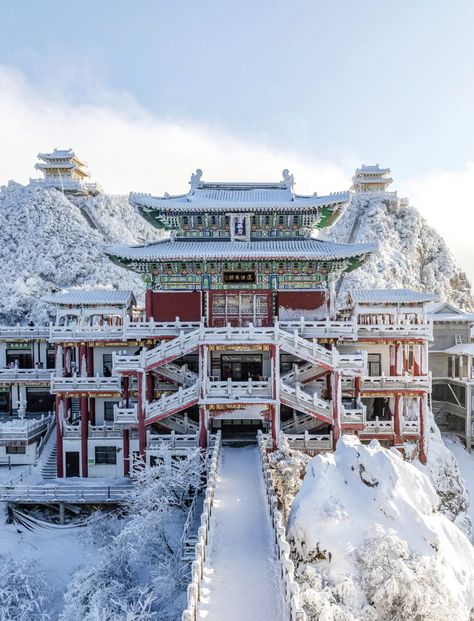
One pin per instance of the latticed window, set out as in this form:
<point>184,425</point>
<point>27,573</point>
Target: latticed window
<point>218,305</point>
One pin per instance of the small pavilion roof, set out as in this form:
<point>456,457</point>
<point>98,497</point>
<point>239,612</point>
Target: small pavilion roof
<point>372,170</point>
<point>312,249</point>
<point>466,349</point>
<point>92,297</point>
<point>446,312</point>
<point>390,296</point>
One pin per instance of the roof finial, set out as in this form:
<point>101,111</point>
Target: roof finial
<point>288,179</point>
<point>195,179</point>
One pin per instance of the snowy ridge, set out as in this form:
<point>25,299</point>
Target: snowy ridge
<point>47,245</point>
<point>411,253</point>
<point>371,545</point>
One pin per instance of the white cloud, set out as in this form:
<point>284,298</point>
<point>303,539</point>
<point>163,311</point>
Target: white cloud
<point>128,148</point>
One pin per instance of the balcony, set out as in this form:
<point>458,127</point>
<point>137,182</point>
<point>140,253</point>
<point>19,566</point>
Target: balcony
<point>422,330</point>
<point>24,429</point>
<point>238,391</point>
<point>80,384</point>
<point>125,417</point>
<point>410,427</point>
<point>73,432</point>
<point>310,443</point>
<point>15,375</point>
<point>397,382</point>
<point>378,427</point>
<point>325,328</point>
<point>123,363</point>
<point>24,332</point>
<point>354,412</point>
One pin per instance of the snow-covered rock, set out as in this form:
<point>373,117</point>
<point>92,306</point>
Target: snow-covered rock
<point>411,253</point>
<point>371,544</point>
<point>48,242</point>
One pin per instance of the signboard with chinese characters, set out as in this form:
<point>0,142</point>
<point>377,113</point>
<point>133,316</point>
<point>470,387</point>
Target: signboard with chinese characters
<point>248,277</point>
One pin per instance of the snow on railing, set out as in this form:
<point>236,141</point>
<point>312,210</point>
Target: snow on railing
<point>424,329</point>
<point>125,415</point>
<point>291,589</point>
<point>183,397</point>
<point>230,389</point>
<point>397,381</point>
<point>299,398</point>
<point>310,441</point>
<point>14,374</point>
<point>23,429</point>
<point>64,493</point>
<point>378,426</point>
<point>322,328</point>
<point>410,426</point>
<point>79,383</point>
<point>33,332</point>
<point>201,547</point>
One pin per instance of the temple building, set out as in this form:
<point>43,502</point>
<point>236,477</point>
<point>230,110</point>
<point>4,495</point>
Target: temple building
<point>371,179</point>
<point>64,171</point>
<point>239,332</point>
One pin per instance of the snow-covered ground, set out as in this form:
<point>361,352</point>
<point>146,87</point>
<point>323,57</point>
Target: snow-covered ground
<point>241,580</point>
<point>370,544</point>
<point>465,462</point>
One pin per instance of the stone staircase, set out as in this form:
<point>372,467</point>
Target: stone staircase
<point>49,466</point>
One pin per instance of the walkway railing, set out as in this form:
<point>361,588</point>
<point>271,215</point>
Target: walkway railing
<point>291,589</point>
<point>25,429</point>
<point>201,547</point>
<point>14,374</point>
<point>64,493</point>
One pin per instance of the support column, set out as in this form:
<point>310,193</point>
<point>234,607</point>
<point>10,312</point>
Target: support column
<point>90,361</point>
<point>336,406</point>
<point>148,304</point>
<point>59,438</point>
<point>126,452</point>
<point>82,362</point>
<point>141,418</point>
<point>275,409</point>
<point>274,426</point>
<point>423,429</point>
<point>468,428</point>
<point>357,386</point>
<point>396,421</point>
<point>202,427</point>
<point>84,437</point>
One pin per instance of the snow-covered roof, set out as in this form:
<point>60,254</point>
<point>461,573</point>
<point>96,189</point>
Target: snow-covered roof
<point>372,170</point>
<point>60,154</point>
<point>271,249</point>
<point>463,348</point>
<point>390,296</point>
<point>95,297</point>
<point>446,312</point>
<point>241,196</point>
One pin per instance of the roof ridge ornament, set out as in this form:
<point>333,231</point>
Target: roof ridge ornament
<point>195,179</point>
<point>288,179</point>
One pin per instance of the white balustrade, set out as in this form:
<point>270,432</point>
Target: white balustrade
<point>202,546</point>
<point>24,429</point>
<point>22,332</point>
<point>290,588</point>
<point>410,426</point>
<point>296,397</point>
<point>14,374</point>
<point>77,383</point>
<point>389,382</point>
<point>240,390</point>
<point>378,426</point>
<point>124,415</point>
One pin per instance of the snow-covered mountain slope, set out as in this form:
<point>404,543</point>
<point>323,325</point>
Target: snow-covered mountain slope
<point>411,253</point>
<point>48,242</point>
<point>371,544</point>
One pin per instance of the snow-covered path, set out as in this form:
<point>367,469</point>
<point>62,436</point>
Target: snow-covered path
<point>241,574</point>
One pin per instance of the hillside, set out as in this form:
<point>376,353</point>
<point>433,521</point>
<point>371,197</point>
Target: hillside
<point>48,243</point>
<point>411,253</point>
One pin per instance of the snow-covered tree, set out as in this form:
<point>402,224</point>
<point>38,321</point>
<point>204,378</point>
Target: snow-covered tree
<point>24,591</point>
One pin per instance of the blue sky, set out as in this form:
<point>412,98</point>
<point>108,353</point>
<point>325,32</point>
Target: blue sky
<point>338,83</point>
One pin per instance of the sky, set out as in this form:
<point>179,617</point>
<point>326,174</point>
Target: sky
<point>148,91</point>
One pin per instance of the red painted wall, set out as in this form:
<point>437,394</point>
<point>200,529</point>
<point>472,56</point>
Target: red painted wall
<point>166,306</point>
<point>301,300</point>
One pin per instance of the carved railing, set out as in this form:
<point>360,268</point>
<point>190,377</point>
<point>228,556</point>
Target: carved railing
<point>202,546</point>
<point>290,588</point>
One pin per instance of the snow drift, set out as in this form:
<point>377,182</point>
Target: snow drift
<point>371,545</point>
<point>411,253</point>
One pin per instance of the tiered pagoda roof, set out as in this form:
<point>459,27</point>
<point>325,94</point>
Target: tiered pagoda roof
<point>369,178</point>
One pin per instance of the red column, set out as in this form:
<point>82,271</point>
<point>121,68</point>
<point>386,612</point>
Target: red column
<point>422,444</point>
<point>396,421</point>
<point>357,386</point>
<point>202,428</point>
<point>92,410</point>
<point>150,387</point>
<point>328,387</point>
<point>141,419</point>
<point>59,439</point>
<point>84,437</point>
<point>126,452</point>
<point>336,410</point>
<point>82,358</point>
<point>274,430</point>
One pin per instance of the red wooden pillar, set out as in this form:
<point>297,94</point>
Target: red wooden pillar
<point>150,387</point>
<point>396,421</point>
<point>126,390</point>
<point>336,406</point>
<point>59,439</point>
<point>84,437</point>
<point>422,442</point>
<point>82,359</point>
<point>126,452</point>
<point>357,386</point>
<point>92,410</point>
<point>328,387</point>
<point>274,427</point>
<point>202,428</point>
<point>141,419</point>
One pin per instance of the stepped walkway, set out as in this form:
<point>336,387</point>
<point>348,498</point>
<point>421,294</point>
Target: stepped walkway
<point>241,580</point>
